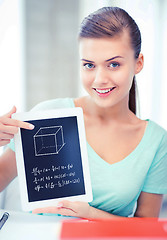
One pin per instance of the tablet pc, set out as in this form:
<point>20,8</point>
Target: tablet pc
<point>52,160</point>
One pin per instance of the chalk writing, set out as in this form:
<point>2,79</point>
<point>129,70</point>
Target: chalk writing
<point>54,176</point>
<point>59,184</point>
<point>38,187</point>
<point>36,171</point>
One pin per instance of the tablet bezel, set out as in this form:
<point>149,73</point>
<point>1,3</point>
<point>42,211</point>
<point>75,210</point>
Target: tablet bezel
<point>47,114</point>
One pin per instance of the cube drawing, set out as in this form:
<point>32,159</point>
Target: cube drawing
<point>48,140</point>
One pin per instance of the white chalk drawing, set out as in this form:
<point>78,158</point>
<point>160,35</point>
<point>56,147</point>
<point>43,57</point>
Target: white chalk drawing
<point>48,140</point>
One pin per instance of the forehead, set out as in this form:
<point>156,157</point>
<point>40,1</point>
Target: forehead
<point>94,48</point>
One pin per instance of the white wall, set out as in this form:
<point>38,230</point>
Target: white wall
<point>11,59</point>
<point>11,56</point>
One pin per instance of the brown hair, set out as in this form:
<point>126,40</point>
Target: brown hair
<point>108,22</point>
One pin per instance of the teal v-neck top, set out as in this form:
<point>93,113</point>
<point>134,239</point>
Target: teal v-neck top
<point>116,187</point>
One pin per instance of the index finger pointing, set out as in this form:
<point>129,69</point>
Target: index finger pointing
<point>24,125</point>
<point>18,123</point>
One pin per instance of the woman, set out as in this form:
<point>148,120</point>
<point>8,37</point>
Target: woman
<point>127,155</point>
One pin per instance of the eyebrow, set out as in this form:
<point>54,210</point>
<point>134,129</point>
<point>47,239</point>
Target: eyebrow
<point>85,60</point>
<point>110,59</point>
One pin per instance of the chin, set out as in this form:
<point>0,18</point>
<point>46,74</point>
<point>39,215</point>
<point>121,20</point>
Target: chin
<point>103,103</point>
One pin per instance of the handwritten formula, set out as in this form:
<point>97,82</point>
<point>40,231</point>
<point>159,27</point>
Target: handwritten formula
<point>54,176</point>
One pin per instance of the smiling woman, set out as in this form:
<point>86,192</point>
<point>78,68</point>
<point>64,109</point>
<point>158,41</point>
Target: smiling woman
<point>127,155</point>
<point>107,63</point>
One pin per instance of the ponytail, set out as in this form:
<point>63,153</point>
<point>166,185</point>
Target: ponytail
<point>132,96</point>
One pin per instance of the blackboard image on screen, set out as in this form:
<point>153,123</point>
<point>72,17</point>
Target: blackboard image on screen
<point>52,159</point>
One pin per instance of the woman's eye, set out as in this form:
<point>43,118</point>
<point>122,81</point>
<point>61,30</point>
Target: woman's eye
<point>114,65</point>
<point>88,65</point>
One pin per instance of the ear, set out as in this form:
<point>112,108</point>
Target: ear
<point>139,63</point>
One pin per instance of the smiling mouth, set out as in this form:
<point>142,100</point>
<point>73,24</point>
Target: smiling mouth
<point>104,91</point>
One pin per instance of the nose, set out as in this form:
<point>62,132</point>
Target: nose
<point>101,77</point>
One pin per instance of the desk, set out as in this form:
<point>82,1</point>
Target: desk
<point>27,226</point>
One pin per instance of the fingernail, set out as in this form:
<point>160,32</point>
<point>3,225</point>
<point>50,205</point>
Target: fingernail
<point>59,205</point>
<point>31,126</point>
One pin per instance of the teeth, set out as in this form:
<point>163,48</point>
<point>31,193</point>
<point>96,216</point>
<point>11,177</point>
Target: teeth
<point>103,91</point>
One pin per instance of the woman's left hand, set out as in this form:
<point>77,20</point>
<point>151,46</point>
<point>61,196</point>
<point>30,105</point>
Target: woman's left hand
<point>68,208</point>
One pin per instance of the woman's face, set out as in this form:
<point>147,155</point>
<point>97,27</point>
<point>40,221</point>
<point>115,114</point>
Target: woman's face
<point>107,69</point>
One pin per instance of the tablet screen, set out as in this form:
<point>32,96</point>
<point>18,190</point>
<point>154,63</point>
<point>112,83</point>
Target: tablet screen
<point>52,158</point>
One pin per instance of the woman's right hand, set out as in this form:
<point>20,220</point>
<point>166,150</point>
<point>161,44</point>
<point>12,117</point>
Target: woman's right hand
<point>9,127</point>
